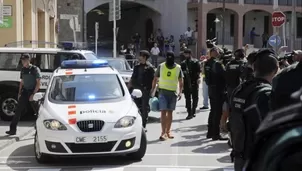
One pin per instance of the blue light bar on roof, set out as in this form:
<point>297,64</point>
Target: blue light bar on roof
<point>84,64</point>
<point>67,45</point>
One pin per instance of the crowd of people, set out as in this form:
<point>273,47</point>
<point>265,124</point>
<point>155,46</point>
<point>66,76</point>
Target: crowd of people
<point>157,45</point>
<point>242,92</point>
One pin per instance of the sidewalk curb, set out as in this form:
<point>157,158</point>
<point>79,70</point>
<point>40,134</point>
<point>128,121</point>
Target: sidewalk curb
<point>18,138</point>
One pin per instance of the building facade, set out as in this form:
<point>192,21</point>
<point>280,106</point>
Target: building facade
<point>168,15</point>
<point>28,20</point>
<point>70,14</point>
<point>240,17</point>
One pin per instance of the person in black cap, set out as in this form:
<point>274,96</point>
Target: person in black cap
<point>215,79</point>
<point>191,70</point>
<point>250,104</point>
<point>30,76</point>
<point>233,76</point>
<point>248,72</point>
<point>142,78</point>
<point>234,71</point>
<point>287,82</point>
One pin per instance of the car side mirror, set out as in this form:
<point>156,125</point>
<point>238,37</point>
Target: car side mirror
<point>38,96</point>
<point>136,93</point>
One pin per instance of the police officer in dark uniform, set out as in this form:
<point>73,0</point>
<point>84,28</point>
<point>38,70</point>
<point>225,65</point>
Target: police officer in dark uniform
<point>30,84</point>
<point>215,79</point>
<point>250,104</point>
<point>142,78</point>
<point>191,70</point>
<point>287,82</point>
<point>248,72</point>
<point>234,71</point>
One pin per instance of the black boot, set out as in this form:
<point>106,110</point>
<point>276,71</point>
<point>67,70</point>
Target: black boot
<point>190,116</point>
<point>194,112</point>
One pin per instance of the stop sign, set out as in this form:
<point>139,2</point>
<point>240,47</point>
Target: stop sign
<point>278,18</point>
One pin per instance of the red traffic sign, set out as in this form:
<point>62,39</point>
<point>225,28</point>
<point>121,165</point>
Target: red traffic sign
<point>278,18</point>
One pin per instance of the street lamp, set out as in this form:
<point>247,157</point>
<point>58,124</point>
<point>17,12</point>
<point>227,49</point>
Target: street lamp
<point>223,23</point>
<point>217,20</point>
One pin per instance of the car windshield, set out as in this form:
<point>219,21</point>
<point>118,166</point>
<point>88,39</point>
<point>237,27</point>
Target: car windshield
<point>82,88</point>
<point>90,56</point>
<point>119,64</point>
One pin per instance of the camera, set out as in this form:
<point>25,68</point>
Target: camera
<point>288,57</point>
<point>211,43</point>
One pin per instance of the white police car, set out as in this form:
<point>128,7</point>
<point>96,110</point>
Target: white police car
<point>88,110</point>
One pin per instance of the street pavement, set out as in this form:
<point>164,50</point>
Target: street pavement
<point>188,151</point>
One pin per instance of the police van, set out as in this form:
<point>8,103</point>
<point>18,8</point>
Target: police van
<point>88,110</point>
<point>47,59</point>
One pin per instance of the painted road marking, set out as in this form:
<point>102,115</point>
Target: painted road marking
<point>172,169</point>
<point>131,166</point>
<point>150,154</point>
<point>44,169</point>
<point>108,169</point>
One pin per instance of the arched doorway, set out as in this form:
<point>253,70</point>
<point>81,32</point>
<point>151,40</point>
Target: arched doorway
<point>224,32</point>
<point>149,29</point>
<point>134,18</point>
<point>261,21</point>
<point>288,27</point>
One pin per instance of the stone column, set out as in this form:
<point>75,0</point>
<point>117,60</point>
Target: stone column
<point>202,28</point>
<point>238,36</point>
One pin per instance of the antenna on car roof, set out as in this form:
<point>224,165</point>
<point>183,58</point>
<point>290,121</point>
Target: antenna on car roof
<point>31,42</point>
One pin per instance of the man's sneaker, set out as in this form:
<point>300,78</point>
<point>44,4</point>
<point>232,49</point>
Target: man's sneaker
<point>11,132</point>
<point>145,129</point>
<point>204,107</point>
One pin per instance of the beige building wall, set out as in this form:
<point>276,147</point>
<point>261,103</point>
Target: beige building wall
<point>31,20</point>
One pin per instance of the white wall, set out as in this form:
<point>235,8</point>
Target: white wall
<point>173,18</point>
<point>192,16</point>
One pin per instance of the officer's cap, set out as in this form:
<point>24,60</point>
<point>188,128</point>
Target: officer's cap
<point>170,54</point>
<point>239,53</point>
<point>25,56</point>
<point>266,52</point>
<point>188,51</point>
<point>144,53</point>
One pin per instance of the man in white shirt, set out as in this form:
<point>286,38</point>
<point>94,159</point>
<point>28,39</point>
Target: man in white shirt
<point>189,35</point>
<point>154,52</point>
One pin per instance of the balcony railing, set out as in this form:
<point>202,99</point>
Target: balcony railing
<point>227,1</point>
<point>289,2</point>
<point>192,1</point>
<point>260,2</point>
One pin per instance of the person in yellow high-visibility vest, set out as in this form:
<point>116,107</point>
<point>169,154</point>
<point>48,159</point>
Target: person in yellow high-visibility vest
<point>169,78</point>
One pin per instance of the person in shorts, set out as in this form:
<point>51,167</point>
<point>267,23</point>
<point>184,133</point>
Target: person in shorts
<point>169,78</point>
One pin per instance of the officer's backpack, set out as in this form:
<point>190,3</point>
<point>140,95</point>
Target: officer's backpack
<point>278,142</point>
<point>243,97</point>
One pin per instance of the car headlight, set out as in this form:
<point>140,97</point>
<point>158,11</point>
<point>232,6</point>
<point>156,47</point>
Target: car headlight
<point>124,122</point>
<point>53,124</point>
